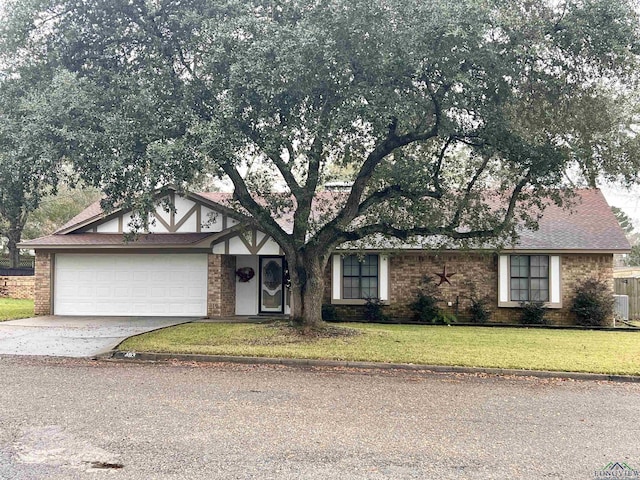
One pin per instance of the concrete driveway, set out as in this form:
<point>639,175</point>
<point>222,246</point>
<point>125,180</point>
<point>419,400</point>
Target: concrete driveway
<point>62,336</point>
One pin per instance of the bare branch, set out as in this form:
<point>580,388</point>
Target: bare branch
<point>283,167</point>
<point>261,215</point>
<point>393,191</point>
<point>455,221</point>
<point>448,230</point>
<point>438,167</point>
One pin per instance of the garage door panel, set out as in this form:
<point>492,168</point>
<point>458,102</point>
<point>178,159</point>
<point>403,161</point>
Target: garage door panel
<point>120,284</point>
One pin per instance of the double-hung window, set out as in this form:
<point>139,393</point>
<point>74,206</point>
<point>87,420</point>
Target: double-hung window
<point>360,277</point>
<point>529,278</point>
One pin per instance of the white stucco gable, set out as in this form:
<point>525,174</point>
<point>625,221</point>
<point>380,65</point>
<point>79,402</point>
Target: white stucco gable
<point>248,242</point>
<point>174,213</point>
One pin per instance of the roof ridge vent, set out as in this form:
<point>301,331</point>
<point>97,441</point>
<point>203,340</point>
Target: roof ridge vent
<point>338,186</point>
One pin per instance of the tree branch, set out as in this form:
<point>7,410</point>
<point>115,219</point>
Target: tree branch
<point>467,194</point>
<point>448,230</point>
<point>261,216</point>
<point>393,191</point>
<point>282,166</point>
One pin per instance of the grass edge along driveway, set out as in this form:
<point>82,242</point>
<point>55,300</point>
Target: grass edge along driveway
<point>518,348</point>
<point>12,309</point>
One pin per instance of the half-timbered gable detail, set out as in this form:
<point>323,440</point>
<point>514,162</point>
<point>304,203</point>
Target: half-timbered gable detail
<point>247,242</point>
<point>174,213</point>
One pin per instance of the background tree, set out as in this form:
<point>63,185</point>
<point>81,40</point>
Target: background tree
<point>55,210</point>
<point>431,104</point>
<point>36,131</point>
<point>633,258</point>
<point>623,219</point>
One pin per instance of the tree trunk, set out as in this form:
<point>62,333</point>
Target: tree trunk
<point>307,290</point>
<point>13,237</point>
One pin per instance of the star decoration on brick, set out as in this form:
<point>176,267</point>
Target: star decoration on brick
<point>444,276</point>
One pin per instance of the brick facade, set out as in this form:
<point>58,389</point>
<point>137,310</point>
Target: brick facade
<point>221,287</point>
<point>473,271</point>
<point>18,286</point>
<point>42,291</point>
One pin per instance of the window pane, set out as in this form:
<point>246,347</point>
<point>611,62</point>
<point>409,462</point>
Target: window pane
<point>370,266</point>
<point>543,260</point>
<point>350,260</point>
<point>350,282</point>
<point>529,278</point>
<point>540,289</point>
<point>360,276</point>
<point>350,266</point>
<point>519,295</point>
<point>541,269</point>
<point>369,270</point>
<point>519,266</point>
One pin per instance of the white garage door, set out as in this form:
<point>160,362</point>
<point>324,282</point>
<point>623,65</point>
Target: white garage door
<point>142,285</point>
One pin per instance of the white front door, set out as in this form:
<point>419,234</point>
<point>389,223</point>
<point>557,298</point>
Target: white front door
<point>130,284</point>
<point>271,284</point>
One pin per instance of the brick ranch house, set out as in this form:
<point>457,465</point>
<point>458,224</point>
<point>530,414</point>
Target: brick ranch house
<point>203,259</point>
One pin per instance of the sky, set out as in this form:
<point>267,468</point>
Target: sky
<point>627,200</point>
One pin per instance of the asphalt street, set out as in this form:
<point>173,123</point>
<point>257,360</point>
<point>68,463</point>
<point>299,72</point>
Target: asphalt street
<point>77,418</point>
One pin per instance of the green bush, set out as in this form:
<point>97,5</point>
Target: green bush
<point>593,303</point>
<point>533,313</point>
<point>329,313</point>
<point>373,311</point>
<point>425,308</point>
<point>478,310</point>
<point>444,318</point>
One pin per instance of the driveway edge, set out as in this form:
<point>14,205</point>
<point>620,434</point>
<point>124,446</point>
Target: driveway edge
<point>299,362</point>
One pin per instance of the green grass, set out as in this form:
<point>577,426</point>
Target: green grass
<point>11,308</point>
<point>533,349</point>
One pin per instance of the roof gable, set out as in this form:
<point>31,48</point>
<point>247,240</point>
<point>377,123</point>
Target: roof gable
<point>588,226</point>
<point>190,213</point>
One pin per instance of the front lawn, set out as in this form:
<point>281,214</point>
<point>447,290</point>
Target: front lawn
<point>11,309</point>
<point>532,349</point>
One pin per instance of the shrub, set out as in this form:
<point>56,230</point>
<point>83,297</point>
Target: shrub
<point>478,310</point>
<point>444,318</point>
<point>329,313</point>
<point>373,311</point>
<point>593,303</point>
<point>533,313</point>
<point>425,307</point>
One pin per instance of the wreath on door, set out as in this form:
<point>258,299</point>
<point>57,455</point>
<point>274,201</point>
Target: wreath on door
<point>245,274</point>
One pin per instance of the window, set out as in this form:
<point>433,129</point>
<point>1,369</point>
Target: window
<point>529,278</point>
<point>360,277</point>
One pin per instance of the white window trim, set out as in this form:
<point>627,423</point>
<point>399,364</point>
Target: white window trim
<point>555,284</point>
<point>336,281</point>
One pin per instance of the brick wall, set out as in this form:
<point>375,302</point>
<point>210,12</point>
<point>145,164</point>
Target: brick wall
<point>221,288</point>
<point>42,291</point>
<point>473,272</point>
<point>18,287</point>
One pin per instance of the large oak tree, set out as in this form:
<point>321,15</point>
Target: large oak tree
<point>431,104</point>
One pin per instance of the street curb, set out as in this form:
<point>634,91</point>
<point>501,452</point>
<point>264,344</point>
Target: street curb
<point>298,362</point>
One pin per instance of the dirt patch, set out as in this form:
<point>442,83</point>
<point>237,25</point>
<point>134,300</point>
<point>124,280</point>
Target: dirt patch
<point>282,333</point>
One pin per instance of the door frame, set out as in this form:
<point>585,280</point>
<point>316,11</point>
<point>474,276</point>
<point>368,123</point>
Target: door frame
<point>262,258</point>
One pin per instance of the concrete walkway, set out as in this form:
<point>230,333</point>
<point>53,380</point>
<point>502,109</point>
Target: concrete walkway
<point>62,336</point>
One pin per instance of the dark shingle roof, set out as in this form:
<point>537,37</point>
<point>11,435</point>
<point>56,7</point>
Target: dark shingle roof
<point>588,225</point>
<point>118,240</point>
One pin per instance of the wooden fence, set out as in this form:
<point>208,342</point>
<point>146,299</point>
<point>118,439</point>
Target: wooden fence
<point>630,287</point>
